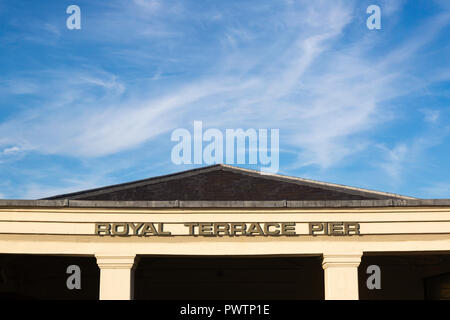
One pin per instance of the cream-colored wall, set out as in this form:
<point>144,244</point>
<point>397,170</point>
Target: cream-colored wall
<point>71,231</point>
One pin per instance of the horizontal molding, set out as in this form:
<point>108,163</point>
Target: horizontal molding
<point>225,204</point>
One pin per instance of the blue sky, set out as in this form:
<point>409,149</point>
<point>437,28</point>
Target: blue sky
<point>86,108</point>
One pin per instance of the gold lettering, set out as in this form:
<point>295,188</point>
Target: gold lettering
<point>288,229</point>
<point>315,227</point>
<point>149,228</point>
<point>116,232</point>
<point>191,227</point>
<point>271,233</point>
<point>351,228</point>
<point>135,227</point>
<point>123,229</point>
<point>161,231</point>
<point>336,229</point>
<point>255,228</point>
<point>221,228</point>
<point>238,227</point>
<point>205,229</point>
<point>103,229</point>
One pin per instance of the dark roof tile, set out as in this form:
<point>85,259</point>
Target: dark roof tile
<point>226,183</point>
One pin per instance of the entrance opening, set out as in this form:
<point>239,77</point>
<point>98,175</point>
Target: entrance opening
<point>27,276</point>
<point>200,277</point>
<point>407,276</point>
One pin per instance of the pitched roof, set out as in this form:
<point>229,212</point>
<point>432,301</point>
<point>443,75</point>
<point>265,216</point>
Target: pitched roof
<point>226,183</point>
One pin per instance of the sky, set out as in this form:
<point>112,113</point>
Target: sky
<point>86,108</point>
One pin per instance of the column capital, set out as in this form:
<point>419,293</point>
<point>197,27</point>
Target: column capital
<point>116,276</point>
<point>341,275</point>
<point>341,260</point>
<point>115,261</point>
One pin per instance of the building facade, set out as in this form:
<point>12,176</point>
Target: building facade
<point>222,232</point>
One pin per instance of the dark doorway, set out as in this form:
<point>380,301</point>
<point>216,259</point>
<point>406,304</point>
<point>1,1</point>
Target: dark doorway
<point>407,276</point>
<point>30,276</point>
<point>187,277</point>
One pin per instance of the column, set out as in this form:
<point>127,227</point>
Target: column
<point>116,276</point>
<point>341,276</point>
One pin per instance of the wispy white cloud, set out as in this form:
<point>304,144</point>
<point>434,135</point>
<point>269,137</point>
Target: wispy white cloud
<point>293,68</point>
<point>394,162</point>
<point>10,150</point>
<point>409,155</point>
<point>431,116</point>
<point>18,86</point>
<point>343,89</point>
<point>152,6</point>
<point>390,7</point>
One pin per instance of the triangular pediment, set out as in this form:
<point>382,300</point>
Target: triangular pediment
<point>226,183</point>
